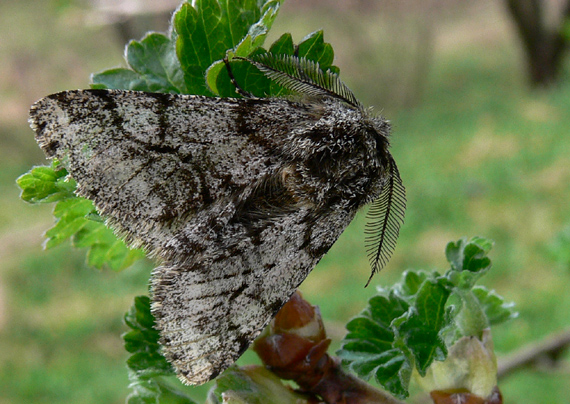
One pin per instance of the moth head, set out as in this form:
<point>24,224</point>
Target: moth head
<point>380,131</point>
<point>375,132</point>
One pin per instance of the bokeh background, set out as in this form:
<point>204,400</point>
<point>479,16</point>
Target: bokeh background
<point>482,144</point>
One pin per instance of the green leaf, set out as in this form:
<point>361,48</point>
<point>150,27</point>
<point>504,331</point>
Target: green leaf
<point>257,32</point>
<point>253,385</point>
<point>143,337</point>
<point>390,368</point>
<point>76,218</point>
<point>475,258</point>
<point>148,365</point>
<point>156,391</point>
<point>422,328</point>
<point>203,33</point>
<point>469,261</point>
<point>105,249</point>
<point>155,58</point>
<point>207,29</point>
<point>282,46</point>
<point>148,369</point>
<point>219,82</point>
<point>369,349</point>
<point>146,360</point>
<point>494,306</point>
<point>119,78</point>
<point>414,323</point>
<point>250,79</point>
<point>73,220</point>
<point>70,214</point>
<point>154,67</point>
<point>411,283</point>
<point>469,255</point>
<point>314,47</point>
<point>46,184</point>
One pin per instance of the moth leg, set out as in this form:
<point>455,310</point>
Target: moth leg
<point>239,90</point>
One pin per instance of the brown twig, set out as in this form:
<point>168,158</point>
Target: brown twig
<point>337,386</point>
<point>551,348</point>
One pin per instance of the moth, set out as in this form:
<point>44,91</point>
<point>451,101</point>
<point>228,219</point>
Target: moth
<point>239,198</point>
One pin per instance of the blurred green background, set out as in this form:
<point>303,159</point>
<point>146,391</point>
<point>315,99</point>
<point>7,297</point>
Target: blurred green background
<point>481,152</point>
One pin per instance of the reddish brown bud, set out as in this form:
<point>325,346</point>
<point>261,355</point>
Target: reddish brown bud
<point>298,317</point>
<point>294,346</point>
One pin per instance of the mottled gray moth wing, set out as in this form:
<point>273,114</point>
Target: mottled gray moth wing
<point>151,161</point>
<point>210,306</point>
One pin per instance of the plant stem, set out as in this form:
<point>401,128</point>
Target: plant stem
<point>336,387</point>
